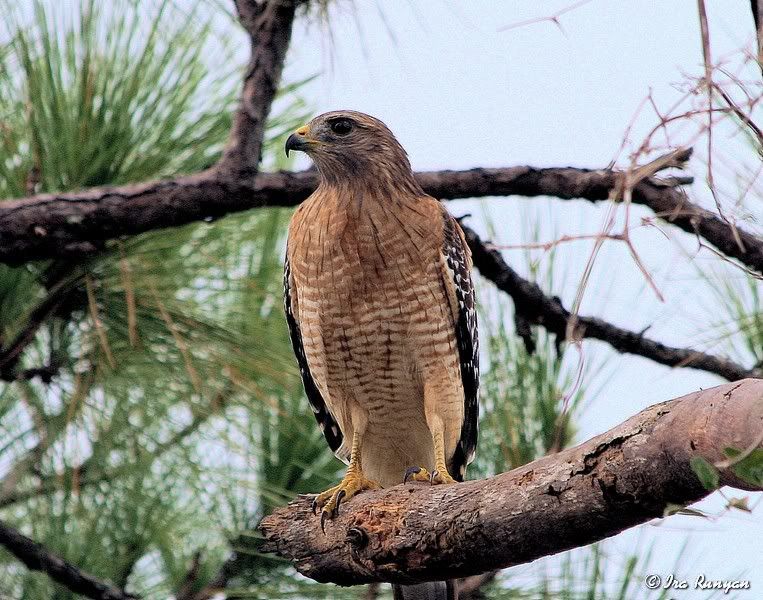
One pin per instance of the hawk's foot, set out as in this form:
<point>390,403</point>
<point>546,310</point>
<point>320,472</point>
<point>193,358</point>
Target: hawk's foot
<point>438,477</point>
<point>416,474</point>
<point>329,501</point>
<point>421,474</point>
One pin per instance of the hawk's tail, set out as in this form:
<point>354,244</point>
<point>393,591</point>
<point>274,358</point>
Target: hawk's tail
<point>431,590</point>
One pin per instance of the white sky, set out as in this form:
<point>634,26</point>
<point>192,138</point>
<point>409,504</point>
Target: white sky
<point>458,93</point>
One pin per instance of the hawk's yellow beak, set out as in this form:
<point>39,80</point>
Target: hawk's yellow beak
<point>298,140</point>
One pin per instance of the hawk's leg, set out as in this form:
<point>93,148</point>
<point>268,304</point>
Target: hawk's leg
<point>353,482</point>
<point>440,473</point>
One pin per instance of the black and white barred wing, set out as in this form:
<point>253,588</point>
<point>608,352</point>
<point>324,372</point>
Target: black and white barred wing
<point>325,419</point>
<point>458,261</point>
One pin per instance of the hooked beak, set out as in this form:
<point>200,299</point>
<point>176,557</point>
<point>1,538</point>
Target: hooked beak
<point>298,140</point>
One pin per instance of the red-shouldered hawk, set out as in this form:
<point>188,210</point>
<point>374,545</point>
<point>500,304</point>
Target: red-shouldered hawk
<point>381,312</point>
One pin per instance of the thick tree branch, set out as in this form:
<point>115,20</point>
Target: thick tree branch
<point>535,307</point>
<point>56,225</point>
<point>38,558</point>
<point>614,481</point>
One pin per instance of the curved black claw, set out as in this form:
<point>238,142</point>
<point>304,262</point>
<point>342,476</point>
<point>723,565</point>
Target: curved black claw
<point>339,496</point>
<point>410,472</point>
<point>324,516</point>
<point>314,505</point>
<point>440,477</point>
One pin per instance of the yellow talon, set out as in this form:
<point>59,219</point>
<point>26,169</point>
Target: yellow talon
<point>436,477</point>
<point>329,501</point>
<point>440,476</point>
<point>352,483</point>
<point>416,474</point>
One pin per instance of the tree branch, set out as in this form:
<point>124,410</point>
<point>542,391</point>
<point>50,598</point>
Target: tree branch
<point>10,355</point>
<point>533,306</point>
<point>269,25</point>
<point>38,558</point>
<point>56,225</point>
<point>614,481</point>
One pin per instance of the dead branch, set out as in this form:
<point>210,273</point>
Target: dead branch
<point>38,558</point>
<point>614,481</point>
<point>534,307</point>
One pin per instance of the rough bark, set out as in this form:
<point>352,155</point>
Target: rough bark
<point>268,24</point>
<point>532,306</point>
<point>55,225</point>
<point>614,481</point>
<point>38,558</point>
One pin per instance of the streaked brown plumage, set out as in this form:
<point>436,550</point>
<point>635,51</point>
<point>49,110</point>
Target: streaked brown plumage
<point>381,311</point>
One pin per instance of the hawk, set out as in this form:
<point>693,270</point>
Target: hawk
<point>381,311</point>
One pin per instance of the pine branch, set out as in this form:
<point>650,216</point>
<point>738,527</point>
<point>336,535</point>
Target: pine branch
<point>38,558</point>
<point>535,307</point>
<point>89,472</point>
<point>622,478</point>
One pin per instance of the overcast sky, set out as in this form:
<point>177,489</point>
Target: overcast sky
<point>460,93</point>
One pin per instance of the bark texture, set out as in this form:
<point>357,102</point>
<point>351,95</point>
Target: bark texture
<point>268,25</point>
<point>614,481</point>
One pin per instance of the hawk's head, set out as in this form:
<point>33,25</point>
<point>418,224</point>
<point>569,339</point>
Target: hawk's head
<point>350,145</point>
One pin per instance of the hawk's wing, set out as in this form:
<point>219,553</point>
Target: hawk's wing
<point>325,419</point>
<point>458,282</point>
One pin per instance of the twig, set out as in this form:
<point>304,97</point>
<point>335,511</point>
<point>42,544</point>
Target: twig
<point>550,18</point>
<point>710,85</point>
<point>45,373</point>
<point>100,330</point>
<point>11,354</point>
<point>38,558</point>
<point>744,118</point>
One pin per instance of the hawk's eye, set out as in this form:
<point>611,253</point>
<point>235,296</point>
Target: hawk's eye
<point>341,126</point>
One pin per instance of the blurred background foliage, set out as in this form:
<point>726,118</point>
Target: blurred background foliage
<point>150,408</point>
